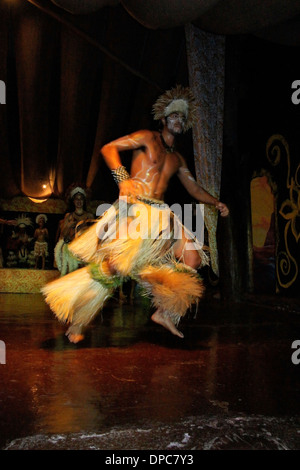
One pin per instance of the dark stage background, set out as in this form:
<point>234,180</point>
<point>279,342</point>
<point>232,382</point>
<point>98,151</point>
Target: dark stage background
<point>66,98</point>
<point>74,82</point>
<point>261,137</point>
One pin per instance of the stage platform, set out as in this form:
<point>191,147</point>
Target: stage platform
<point>26,281</point>
<point>229,384</point>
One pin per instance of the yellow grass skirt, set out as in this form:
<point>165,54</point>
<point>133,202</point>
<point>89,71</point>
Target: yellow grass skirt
<point>135,240</point>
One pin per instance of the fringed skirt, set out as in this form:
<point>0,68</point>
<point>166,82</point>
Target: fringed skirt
<point>131,240</point>
<point>65,261</point>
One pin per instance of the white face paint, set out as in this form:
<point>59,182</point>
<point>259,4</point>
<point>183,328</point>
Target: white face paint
<point>175,122</point>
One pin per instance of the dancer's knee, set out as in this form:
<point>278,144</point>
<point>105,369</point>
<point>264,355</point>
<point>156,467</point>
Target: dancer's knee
<point>191,258</point>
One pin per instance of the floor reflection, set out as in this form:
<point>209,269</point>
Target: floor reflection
<point>129,371</point>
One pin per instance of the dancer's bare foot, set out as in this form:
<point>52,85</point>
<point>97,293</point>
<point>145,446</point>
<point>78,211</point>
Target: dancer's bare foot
<point>166,322</point>
<point>74,334</point>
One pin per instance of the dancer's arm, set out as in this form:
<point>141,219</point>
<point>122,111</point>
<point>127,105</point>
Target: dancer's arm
<point>198,192</point>
<point>111,155</point>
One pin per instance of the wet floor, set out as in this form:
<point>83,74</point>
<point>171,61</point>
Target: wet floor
<point>229,384</point>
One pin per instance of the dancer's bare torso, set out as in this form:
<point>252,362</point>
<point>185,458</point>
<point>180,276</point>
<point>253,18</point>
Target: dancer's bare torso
<point>152,167</point>
<point>152,164</point>
<point>41,234</point>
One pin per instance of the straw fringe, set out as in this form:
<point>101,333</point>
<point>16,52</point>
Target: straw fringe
<point>175,291</point>
<point>110,238</point>
<point>174,287</point>
<point>85,246</point>
<point>76,298</point>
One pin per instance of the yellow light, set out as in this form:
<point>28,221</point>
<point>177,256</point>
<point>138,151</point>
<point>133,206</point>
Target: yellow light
<point>37,200</point>
<point>44,186</point>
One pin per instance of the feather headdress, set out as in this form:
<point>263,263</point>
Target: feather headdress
<point>77,190</point>
<point>72,190</point>
<point>178,99</point>
<point>24,221</point>
<point>41,216</point>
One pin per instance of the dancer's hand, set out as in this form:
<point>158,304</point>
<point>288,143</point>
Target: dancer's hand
<point>223,209</point>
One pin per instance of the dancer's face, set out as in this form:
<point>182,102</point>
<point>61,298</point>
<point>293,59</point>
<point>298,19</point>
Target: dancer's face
<point>175,122</point>
<point>78,201</point>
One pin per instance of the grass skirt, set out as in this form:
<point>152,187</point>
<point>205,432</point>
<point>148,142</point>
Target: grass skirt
<point>136,240</point>
<point>65,261</point>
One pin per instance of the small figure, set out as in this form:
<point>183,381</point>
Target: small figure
<point>73,221</point>
<point>5,222</point>
<point>41,244</point>
<point>22,238</point>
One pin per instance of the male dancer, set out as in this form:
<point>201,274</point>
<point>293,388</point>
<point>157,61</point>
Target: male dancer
<point>155,160</point>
